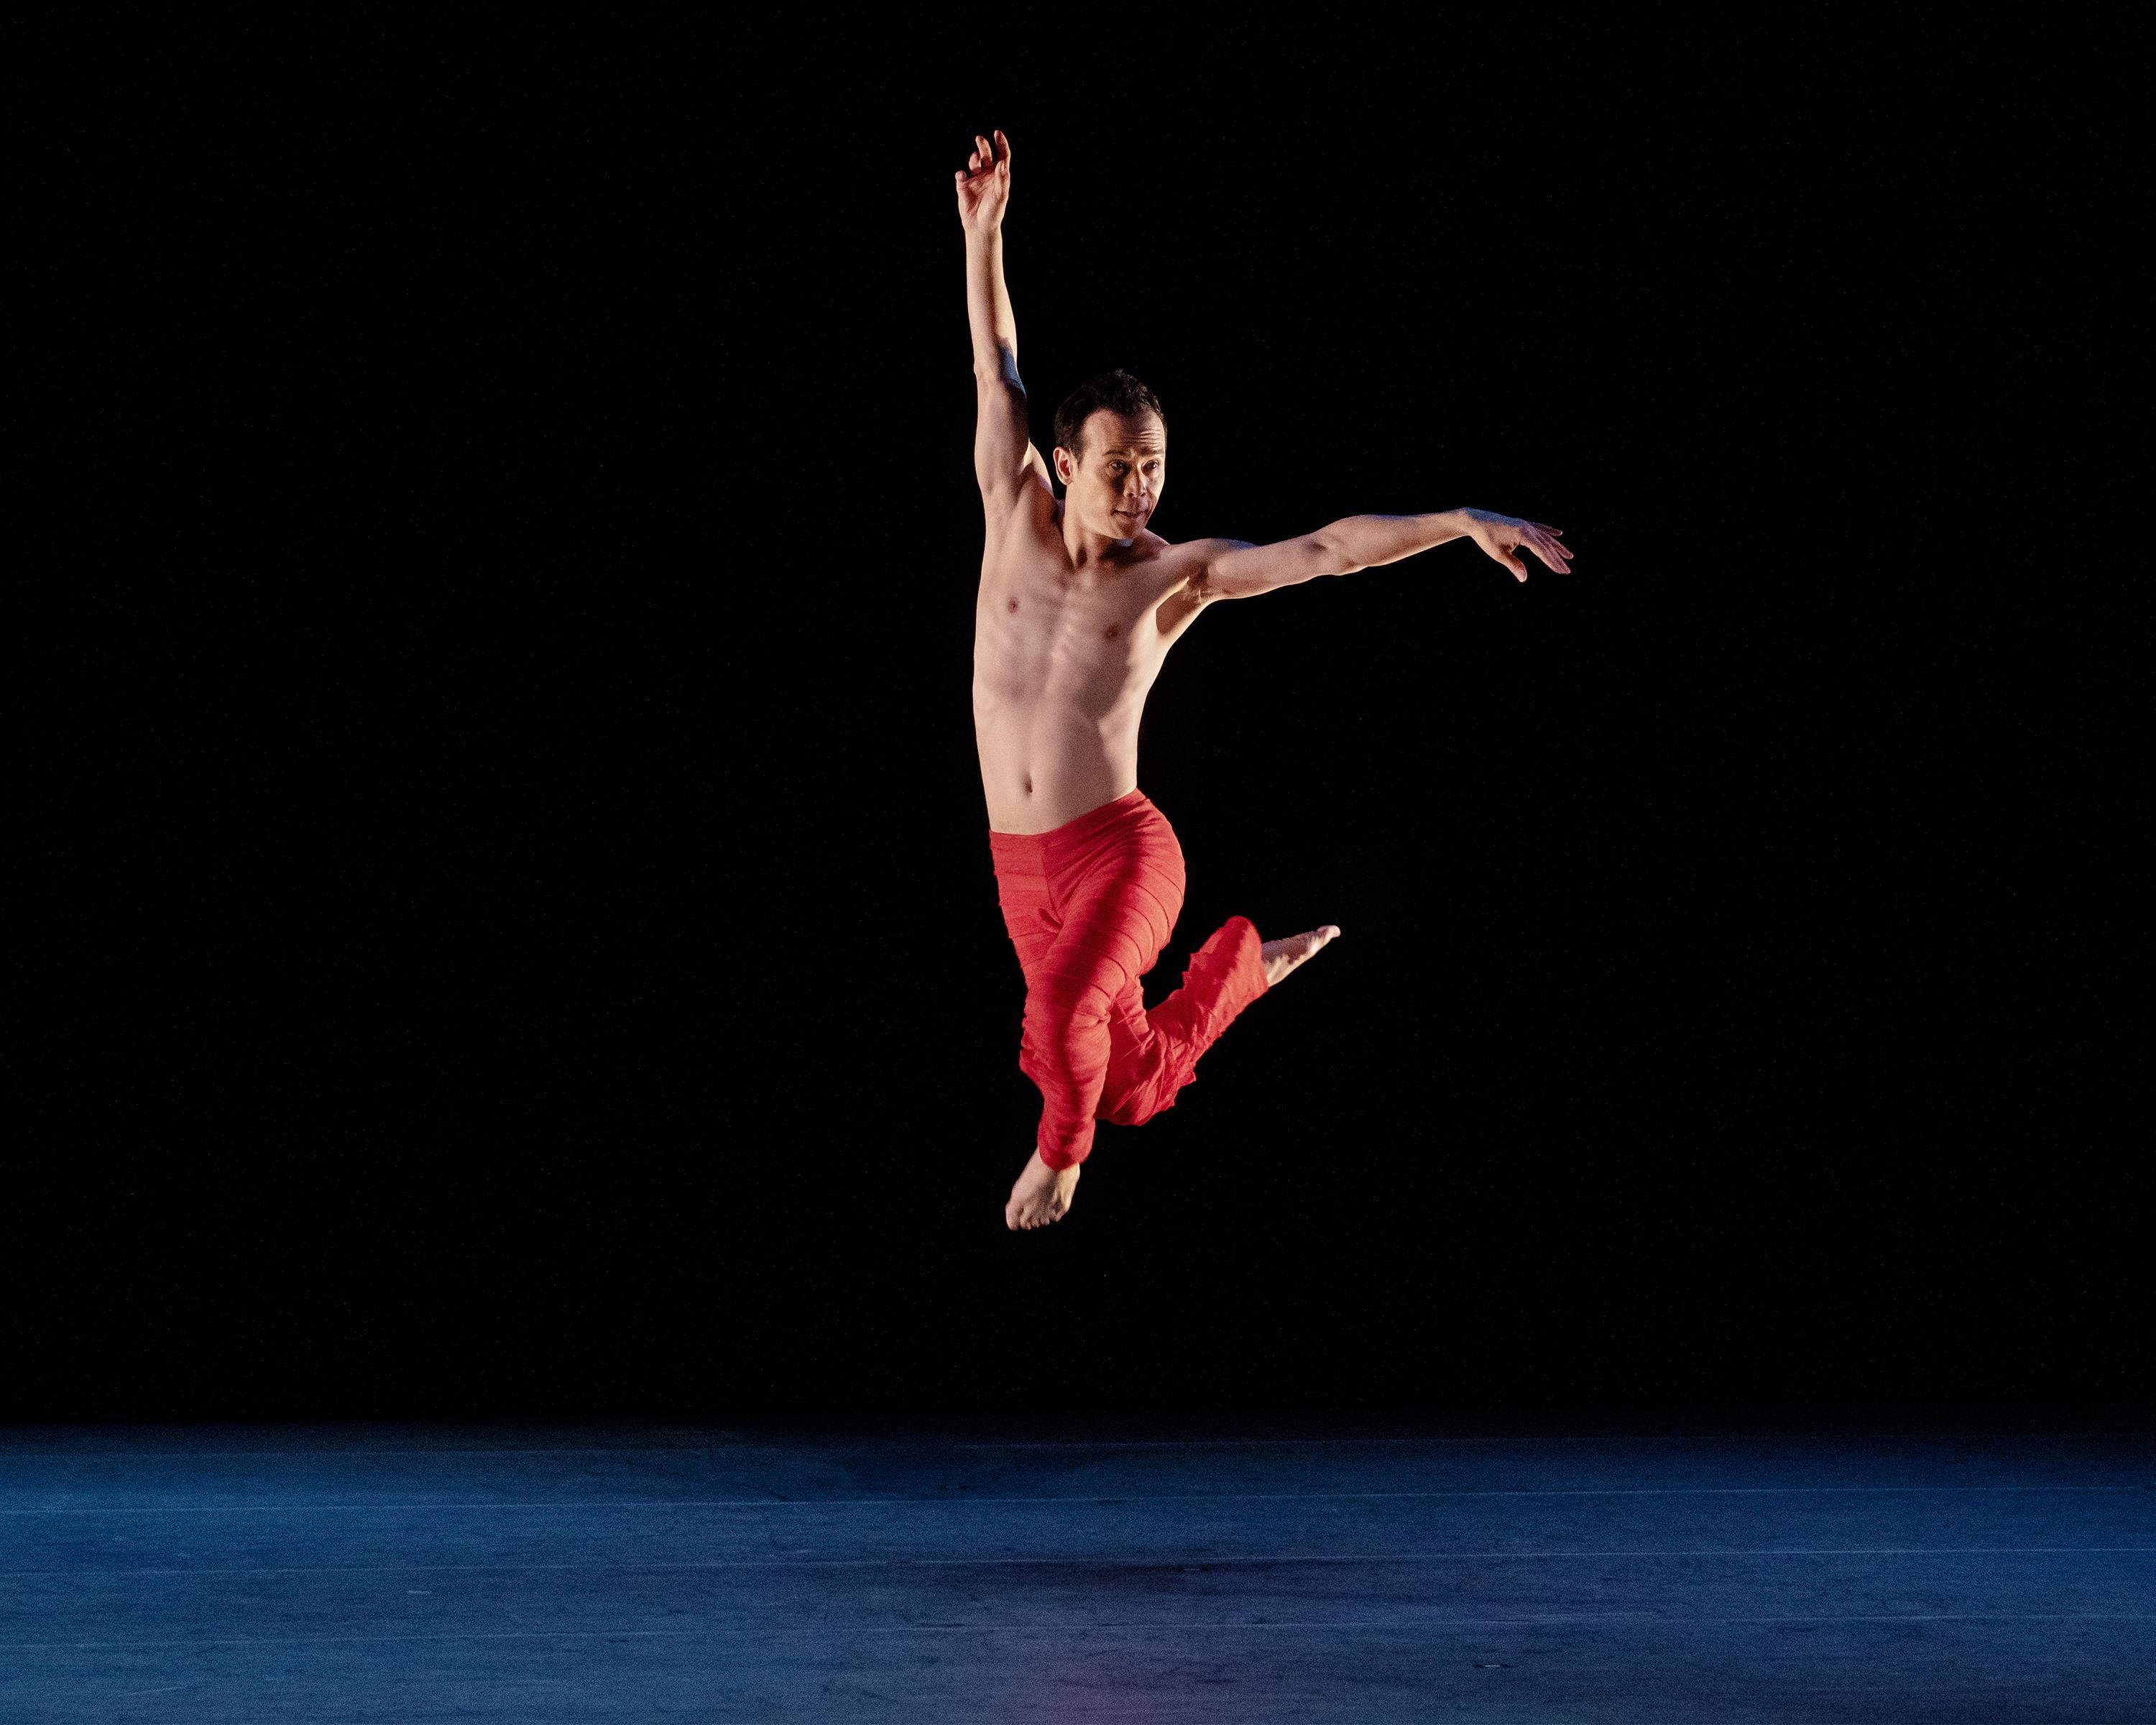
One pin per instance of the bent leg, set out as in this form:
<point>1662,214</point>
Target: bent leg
<point>1154,1054</point>
<point>1083,998</point>
<point>1089,907</point>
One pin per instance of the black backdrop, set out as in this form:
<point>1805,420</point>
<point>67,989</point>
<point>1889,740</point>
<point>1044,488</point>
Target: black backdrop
<point>526,938</point>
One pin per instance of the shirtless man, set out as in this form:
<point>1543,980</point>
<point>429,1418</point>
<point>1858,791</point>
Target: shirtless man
<point>1080,601</point>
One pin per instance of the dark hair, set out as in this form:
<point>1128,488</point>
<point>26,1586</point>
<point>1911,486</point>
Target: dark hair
<point>1117,391</point>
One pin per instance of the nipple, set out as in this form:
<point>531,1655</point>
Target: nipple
<point>1013,604</point>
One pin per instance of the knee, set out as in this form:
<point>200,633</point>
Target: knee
<point>1144,1095</point>
<point>1068,1027</point>
<point>1132,1109</point>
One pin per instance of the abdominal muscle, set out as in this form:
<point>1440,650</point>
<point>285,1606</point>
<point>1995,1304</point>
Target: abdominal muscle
<point>1042,767</point>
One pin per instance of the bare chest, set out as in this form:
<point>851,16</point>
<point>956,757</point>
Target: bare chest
<point>1046,632</point>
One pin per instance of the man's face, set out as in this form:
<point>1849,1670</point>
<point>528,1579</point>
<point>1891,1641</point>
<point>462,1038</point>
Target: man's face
<point>1116,488</point>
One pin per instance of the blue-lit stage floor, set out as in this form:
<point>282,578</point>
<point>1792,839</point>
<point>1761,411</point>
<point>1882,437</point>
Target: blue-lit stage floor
<point>330,1573</point>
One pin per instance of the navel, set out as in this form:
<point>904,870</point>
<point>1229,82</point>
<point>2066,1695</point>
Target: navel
<point>1111,631</point>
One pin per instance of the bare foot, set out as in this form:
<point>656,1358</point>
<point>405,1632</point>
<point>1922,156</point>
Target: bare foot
<point>1041,1195</point>
<point>1282,956</point>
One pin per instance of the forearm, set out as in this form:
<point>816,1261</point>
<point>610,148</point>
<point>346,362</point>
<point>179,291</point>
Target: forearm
<point>1369,539</point>
<point>989,307</point>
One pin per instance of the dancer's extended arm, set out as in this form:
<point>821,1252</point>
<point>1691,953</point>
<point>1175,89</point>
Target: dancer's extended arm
<point>1235,569</point>
<point>1003,452</point>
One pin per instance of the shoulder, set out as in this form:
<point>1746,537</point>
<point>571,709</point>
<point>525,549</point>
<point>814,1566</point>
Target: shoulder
<point>1190,561</point>
<point>1188,556</point>
<point>1180,576</point>
<point>1174,566</point>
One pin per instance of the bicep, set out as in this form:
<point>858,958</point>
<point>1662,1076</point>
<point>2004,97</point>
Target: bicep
<point>1004,454</point>
<point>1237,569</point>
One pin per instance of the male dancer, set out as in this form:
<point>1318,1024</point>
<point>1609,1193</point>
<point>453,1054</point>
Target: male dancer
<point>1079,604</point>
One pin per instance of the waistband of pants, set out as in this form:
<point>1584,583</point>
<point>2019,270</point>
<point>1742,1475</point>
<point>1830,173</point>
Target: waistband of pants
<point>1033,848</point>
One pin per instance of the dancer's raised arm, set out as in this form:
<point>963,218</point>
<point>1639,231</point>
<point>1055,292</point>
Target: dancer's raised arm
<point>1003,452</point>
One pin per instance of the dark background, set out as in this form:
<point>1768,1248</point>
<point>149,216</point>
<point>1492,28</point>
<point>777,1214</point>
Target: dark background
<point>523,939</point>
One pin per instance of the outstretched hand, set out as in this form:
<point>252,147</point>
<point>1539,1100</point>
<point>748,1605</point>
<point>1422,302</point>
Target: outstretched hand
<point>984,192</point>
<point>1499,536</point>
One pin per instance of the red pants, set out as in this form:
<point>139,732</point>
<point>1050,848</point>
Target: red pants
<point>1089,906</point>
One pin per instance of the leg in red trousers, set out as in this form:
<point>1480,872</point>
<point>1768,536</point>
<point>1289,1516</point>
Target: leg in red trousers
<point>1089,906</point>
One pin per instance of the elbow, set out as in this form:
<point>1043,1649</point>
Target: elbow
<point>999,368</point>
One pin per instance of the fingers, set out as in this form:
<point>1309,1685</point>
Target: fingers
<point>1537,537</point>
<point>1504,555</point>
<point>1541,540</point>
<point>985,155</point>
